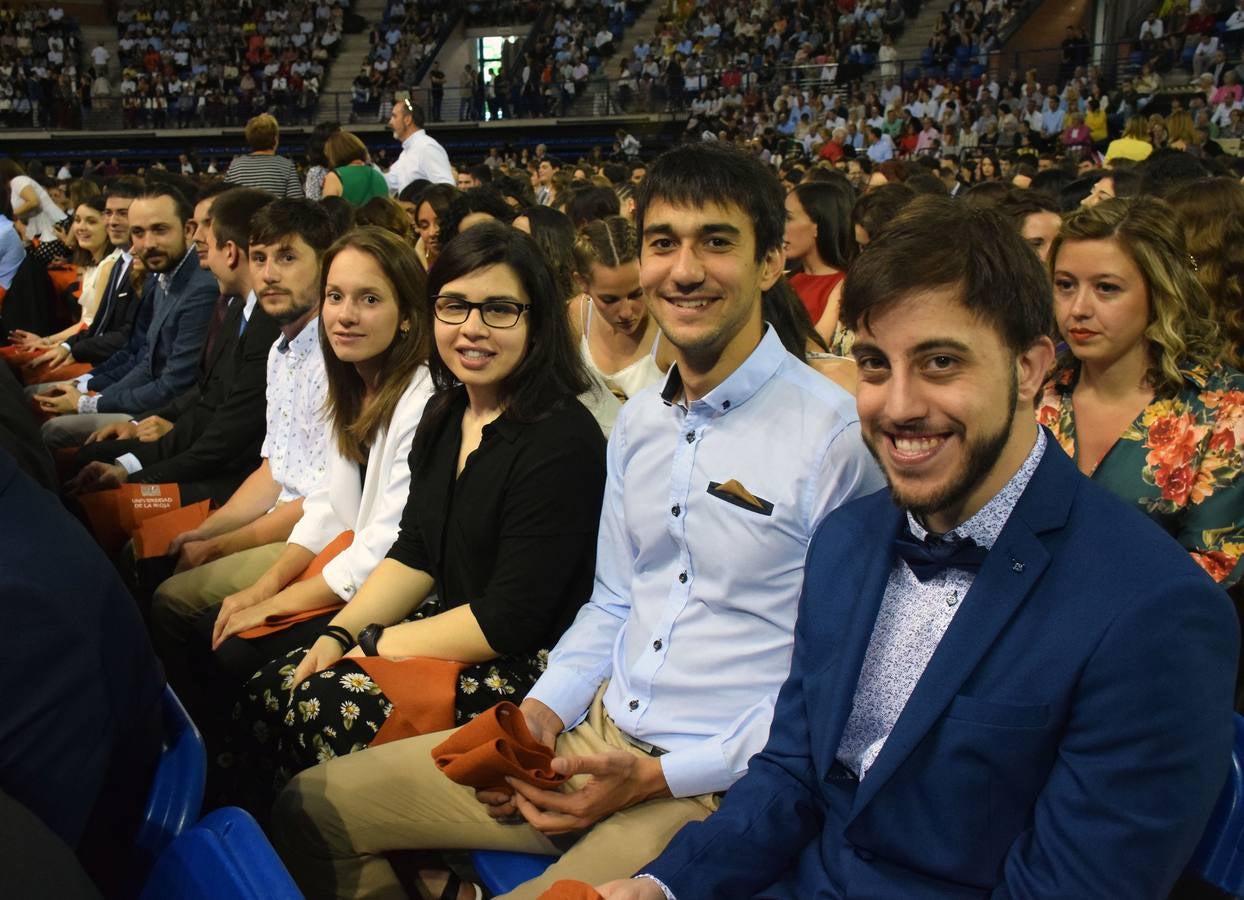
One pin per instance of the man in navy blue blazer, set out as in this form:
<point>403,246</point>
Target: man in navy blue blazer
<point>1005,682</point>
<point>184,297</point>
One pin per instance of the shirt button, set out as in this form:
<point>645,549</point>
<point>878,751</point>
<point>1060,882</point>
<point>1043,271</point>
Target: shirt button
<point>633,705</point>
<point>657,645</point>
<point>676,510</point>
<point>682,577</point>
<point>725,404</point>
<point>690,437</point>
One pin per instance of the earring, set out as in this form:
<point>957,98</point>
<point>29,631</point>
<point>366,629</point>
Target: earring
<point>404,330</point>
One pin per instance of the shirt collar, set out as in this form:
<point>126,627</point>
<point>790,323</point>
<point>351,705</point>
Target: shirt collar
<point>164,279</point>
<point>410,141</point>
<point>307,340</point>
<point>741,384</point>
<point>988,521</point>
<point>249,308</point>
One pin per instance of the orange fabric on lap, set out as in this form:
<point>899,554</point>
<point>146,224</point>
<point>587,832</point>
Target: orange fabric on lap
<point>422,691</point>
<point>571,890</point>
<point>493,745</point>
<point>153,536</point>
<point>273,624</point>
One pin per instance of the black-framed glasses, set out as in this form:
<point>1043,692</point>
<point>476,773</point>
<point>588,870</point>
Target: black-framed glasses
<point>496,312</point>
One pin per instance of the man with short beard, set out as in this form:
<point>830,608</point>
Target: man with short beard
<point>239,541</point>
<point>1006,682</point>
<point>181,306</point>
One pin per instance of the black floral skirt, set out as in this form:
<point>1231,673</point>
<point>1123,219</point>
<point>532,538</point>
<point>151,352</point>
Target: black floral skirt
<point>339,710</point>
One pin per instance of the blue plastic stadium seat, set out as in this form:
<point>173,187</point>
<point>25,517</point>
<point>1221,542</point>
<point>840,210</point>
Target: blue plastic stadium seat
<point>1219,858</point>
<point>926,56</point>
<point>177,791</point>
<point>502,872</point>
<point>962,53</point>
<point>978,70</point>
<point>223,857</point>
<point>869,59</point>
<point>912,74</point>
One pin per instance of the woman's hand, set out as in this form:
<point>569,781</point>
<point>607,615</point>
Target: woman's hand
<point>322,654</point>
<point>237,611</point>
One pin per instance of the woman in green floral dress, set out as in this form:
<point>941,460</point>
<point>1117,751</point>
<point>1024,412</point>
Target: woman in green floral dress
<point>1140,399</point>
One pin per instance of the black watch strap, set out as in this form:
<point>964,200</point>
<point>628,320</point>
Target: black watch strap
<point>368,637</point>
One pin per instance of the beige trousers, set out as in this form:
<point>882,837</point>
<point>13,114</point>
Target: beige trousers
<point>334,822</point>
<point>179,600</point>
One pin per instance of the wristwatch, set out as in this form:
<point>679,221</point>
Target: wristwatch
<point>368,637</point>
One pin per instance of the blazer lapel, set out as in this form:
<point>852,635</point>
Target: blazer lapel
<point>862,589</point>
<point>1011,571</point>
<point>109,302</point>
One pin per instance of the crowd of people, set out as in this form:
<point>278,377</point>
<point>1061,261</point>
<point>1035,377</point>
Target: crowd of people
<point>42,79</point>
<point>220,63</point>
<point>755,489</point>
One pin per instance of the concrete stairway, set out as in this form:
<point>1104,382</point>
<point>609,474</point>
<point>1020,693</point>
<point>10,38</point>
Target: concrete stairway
<point>350,58</point>
<point>916,33</point>
<point>594,100</point>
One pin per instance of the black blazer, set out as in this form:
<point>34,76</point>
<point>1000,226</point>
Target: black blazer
<point>112,324</point>
<point>216,439</point>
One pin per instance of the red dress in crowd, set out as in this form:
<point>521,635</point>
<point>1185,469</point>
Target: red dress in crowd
<point>814,291</point>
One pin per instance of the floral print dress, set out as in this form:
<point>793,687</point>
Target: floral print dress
<point>1180,461</point>
<point>340,710</point>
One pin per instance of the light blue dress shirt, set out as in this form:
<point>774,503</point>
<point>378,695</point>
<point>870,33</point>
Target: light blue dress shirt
<point>693,612</point>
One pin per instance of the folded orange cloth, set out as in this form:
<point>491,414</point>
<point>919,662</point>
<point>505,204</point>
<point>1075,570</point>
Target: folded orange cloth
<point>153,536</point>
<point>571,890</point>
<point>273,624</point>
<point>422,691</point>
<point>493,745</point>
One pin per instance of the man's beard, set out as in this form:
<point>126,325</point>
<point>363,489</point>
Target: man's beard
<point>980,456</point>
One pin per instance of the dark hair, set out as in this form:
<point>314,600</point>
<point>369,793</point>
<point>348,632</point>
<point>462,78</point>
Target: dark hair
<point>181,206</point>
<point>551,372</point>
<point>553,231</point>
<point>1074,192</point>
<point>124,187</point>
<point>477,200</point>
<point>1017,205</point>
<point>231,215</point>
<point>439,197</point>
<point>782,308</point>
<point>10,169</point>
<point>616,172</point>
<point>515,188</point>
<point>874,210</point>
<point>481,173</point>
<point>214,189</point>
<point>828,204</point>
<point>354,423</point>
<point>1051,182</point>
<point>590,203</point>
<point>340,213</point>
<point>288,218</point>
<point>386,213</point>
<point>987,194</point>
<point>999,278</point>
<point>695,174</point>
<point>927,184</point>
<point>1126,182</point>
<point>412,191</point>
<point>315,143</point>
<point>1166,169</point>
<point>414,110</point>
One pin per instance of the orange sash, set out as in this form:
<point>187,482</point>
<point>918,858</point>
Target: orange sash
<point>273,624</point>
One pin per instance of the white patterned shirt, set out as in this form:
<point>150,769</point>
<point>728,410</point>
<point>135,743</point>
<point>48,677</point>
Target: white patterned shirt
<point>913,618</point>
<point>297,438</point>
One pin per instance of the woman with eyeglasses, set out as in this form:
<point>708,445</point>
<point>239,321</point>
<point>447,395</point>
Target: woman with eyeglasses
<point>507,475</point>
<point>617,338</point>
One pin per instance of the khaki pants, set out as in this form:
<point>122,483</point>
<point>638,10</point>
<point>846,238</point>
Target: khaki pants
<point>72,429</point>
<point>335,821</point>
<point>180,600</point>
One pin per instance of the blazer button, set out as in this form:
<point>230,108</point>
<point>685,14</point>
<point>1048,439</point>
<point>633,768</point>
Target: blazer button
<point>682,577</point>
<point>633,705</point>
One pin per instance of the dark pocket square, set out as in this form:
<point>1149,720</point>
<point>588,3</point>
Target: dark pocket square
<point>734,492</point>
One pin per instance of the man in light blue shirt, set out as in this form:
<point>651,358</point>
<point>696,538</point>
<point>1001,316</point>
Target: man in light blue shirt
<point>880,147</point>
<point>664,687</point>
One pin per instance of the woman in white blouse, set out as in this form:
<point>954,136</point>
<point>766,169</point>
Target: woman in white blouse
<point>375,353</point>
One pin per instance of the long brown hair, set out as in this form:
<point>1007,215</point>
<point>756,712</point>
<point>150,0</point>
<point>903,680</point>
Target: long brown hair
<point>354,423</point>
<point>1212,214</point>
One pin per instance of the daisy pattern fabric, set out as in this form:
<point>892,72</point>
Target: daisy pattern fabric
<point>341,709</point>
<point>1179,462</point>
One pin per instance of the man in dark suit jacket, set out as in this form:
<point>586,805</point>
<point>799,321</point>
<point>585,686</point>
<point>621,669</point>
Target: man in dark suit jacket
<point>80,728</point>
<point>118,308</point>
<point>981,701</point>
<point>212,432</point>
<point>181,309</point>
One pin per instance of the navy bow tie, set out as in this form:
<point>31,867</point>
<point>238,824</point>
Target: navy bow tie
<point>933,555</point>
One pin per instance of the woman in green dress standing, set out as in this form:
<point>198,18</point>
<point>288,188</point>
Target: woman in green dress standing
<point>352,176</point>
